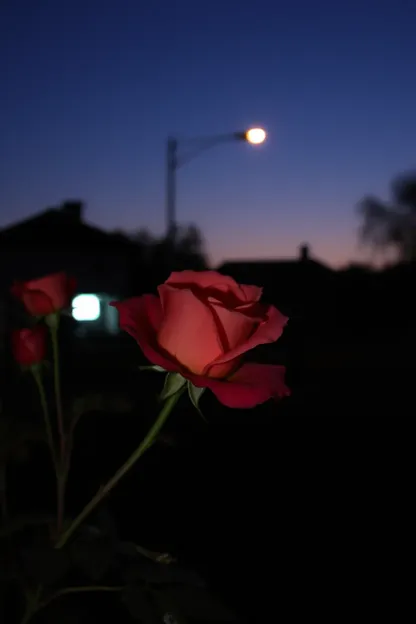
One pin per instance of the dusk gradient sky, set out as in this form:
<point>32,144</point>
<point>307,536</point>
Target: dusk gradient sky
<point>90,89</point>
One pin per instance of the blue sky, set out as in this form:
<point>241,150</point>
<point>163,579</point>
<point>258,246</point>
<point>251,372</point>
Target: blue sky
<point>90,91</point>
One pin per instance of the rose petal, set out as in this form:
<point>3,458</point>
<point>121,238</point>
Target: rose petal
<point>37,299</point>
<point>141,317</point>
<point>212,281</point>
<point>188,331</point>
<point>37,302</point>
<point>47,294</point>
<point>29,345</point>
<point>59,287</point>
<point>251,385</point>
<point>268,331</point>
<point>234,328</point>
<point>203,279</point>
<point>251,293</point>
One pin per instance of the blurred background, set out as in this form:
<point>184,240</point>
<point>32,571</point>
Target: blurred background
<point>126,153</point>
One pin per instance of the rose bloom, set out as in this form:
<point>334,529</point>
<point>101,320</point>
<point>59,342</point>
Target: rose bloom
<point>200,326</point>
<point>29,345</point>
<point>45,295</point>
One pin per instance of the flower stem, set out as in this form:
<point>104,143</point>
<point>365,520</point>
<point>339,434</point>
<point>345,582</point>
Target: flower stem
<point>32,606</point>
<point>62,471</point>
<point>140,450</point>
<point>78,590</point>
<point>60,496</point>
<point>44,404</point>
<point>57,383</point>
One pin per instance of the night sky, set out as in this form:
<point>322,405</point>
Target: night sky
<point>90,90</point>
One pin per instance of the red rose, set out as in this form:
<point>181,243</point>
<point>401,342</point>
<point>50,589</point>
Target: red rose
<point>200,326</point>
<point>29,345</point>
<point>46,295</point>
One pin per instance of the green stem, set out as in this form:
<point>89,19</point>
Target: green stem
<point>78,590</point>
<point>59,470</point>
<point>105,489</point>
<point>62,471</point>
<point>154,556</point>
<point>57,383</point>
<point>44,403</point>
<point>32,606</point>
<point>60,496</point>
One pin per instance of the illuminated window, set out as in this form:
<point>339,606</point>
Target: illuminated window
<point>86,308</point>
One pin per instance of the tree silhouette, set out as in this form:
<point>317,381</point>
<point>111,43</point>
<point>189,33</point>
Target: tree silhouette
<point>392,225</point>
<point>188,253</point>
<point>190,246</point>
<point>143,237</point>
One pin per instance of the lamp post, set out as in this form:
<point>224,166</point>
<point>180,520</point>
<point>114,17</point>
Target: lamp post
<point>194,147</point>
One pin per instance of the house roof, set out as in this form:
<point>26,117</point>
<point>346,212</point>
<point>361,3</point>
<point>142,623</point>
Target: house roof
<point>57,228</point>
<point>270,269</point>
<point>270,265</point>
<point>273,265</point>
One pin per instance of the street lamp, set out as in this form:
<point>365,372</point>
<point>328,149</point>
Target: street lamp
<point>174,160</point>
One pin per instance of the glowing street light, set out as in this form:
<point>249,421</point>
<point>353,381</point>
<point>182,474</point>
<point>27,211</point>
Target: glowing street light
<point>86,308</point>
<point>254,136</point>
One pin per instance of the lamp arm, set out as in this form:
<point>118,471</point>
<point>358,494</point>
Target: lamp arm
<point>204,144</point>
